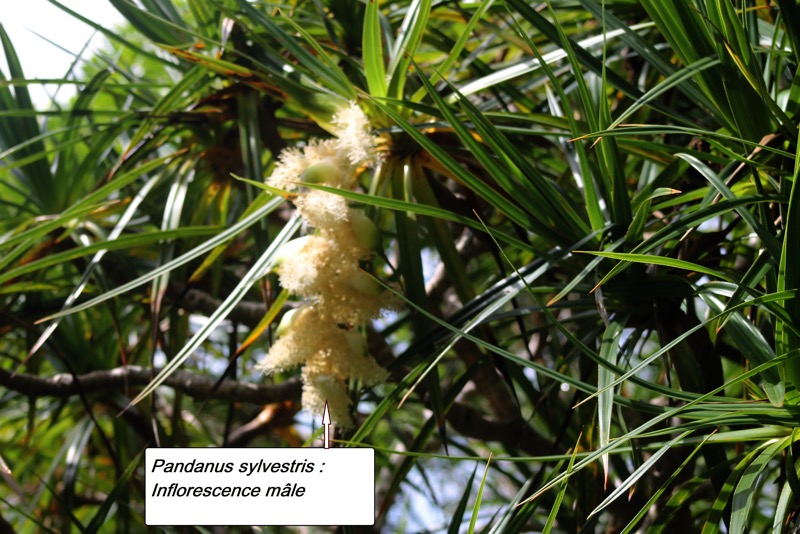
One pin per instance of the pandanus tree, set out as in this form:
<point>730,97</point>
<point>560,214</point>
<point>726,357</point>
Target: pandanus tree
<point>552,243</point>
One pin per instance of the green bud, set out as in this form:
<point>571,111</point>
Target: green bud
<point>288,250</point>
<point>322,172</point>
<point>367,233</point>
<point>287,321</point>
<point>357,342</point>
<point>364,283</point>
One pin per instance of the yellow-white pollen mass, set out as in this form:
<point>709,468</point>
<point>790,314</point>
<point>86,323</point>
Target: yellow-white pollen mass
<point>325,269</point>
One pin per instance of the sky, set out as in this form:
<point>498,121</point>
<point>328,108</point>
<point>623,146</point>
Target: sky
<point>42,59</point>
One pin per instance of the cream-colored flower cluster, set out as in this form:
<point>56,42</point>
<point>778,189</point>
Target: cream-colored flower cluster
<point>324,269</point>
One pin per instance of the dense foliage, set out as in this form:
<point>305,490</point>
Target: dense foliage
<point>587,218</point>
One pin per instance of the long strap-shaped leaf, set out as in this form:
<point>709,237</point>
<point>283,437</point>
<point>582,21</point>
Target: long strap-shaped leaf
<point>746,489</point>
<point>420,209</point>
<point>128,241</point>
<point>476,508</point>
<point>789,276</point>
<point>605,395</point>
<point>408,39</point>
<point>770,373</point>
<point>224,309</point>
<point>177,262</point>
<point>86,205</point>
<point>770,243</point>
<point>640,471</point>
<point>374,68</point>
<point>666,415</point>
<point>95,261</point>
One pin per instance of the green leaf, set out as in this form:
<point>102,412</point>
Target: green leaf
<point>150,24</point>
<point>787,340</point>
<point>197,251</point>
<point>609,349</point>
<point>640,471</point>
<point>408,39</point>
<point>659,260</point>
<point>258,270</point>
<point>99,518</point>
<point>755,348</point>
<point>458,514</point>
<point>93,264</point>
<point>679,226</point>
<point>411,207</point>
<point>515,175</point>
<point>451,166</point>
<point>762,356</point>
<point>477,506</point>
<point>551,518</point>
<point>457,48</point>
<point>666,485</point>
<point>374,68</point>
<point>744,494</point>
<point>112,35</point>
<point>769,240</point>
<point>23,129</point>
<point>113,243</point>
<point>326,67</point>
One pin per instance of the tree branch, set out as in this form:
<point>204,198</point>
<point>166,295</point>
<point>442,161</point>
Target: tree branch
<point>196,386</point>
<point>272,417</point>
<point>515,433</point>
<point>198,301</point>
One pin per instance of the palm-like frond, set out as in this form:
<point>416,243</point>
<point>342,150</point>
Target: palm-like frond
<point>587,210</point>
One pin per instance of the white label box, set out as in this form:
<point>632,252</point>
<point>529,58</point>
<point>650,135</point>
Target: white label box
<point>281,486</point>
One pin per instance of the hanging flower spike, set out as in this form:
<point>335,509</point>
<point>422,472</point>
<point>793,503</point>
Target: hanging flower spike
<point>319,389</point>
<point>325,269</point>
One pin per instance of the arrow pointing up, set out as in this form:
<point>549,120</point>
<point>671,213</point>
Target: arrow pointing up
<point>326,424</point>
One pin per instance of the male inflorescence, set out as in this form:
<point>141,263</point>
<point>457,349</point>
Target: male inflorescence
<point>323,268</point>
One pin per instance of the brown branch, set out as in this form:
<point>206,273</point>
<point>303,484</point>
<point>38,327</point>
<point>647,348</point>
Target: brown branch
<point>488,382</point>
<point>439,287</point>
<point>196,300</point>
<point>511,429</point>
<point>273,419</point>
<point>197,386</point>
<point>515,433</point>
<point>379,348</point>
